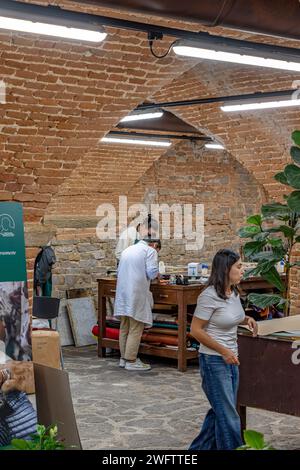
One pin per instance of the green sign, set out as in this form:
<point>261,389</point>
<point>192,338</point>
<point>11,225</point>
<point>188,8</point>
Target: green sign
<point>12,243</point>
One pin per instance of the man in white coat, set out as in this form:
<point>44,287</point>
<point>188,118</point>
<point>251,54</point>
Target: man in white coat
<point>134,302</point>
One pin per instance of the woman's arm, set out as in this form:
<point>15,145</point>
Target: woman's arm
<point>198,332</point>
<point>251,323</point>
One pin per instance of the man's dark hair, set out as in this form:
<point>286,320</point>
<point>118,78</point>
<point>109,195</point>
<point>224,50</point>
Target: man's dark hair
<point>221,265</point>
<point>154,241</point>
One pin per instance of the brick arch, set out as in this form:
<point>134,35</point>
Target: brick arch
<point>58,90</point>
<point>258,140</point>
<point>62,97</point>
<point>186,174</point>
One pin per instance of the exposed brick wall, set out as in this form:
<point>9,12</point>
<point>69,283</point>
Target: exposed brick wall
<point>63,96</point>
<point>190,174</point>
<point>185,174</point>
<point>106,172</point>
<point>81,259</point>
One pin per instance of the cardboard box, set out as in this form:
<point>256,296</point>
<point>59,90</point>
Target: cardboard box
<point>46,348</point>
<point>268,327</point>
<point>22,377</point>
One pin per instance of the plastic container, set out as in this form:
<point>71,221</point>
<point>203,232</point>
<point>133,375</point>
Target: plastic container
<point>193,269</point>
<point>204,271</point>
<point>280,266</point>
<point>162,268</point>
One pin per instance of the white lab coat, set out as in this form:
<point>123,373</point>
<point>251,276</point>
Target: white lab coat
<point>138,265</point>
<point>127,238</point>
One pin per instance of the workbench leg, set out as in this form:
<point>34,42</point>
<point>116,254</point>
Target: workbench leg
<point>242,411</point>
<point>182,362</point>
<point>101,352</point>
<point>101,320</point>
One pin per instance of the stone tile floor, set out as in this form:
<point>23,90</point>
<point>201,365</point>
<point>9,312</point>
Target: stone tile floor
<point>158,409</point>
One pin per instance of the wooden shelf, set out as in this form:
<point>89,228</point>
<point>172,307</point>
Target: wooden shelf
<point>150,349</point>
<point>169,295</point>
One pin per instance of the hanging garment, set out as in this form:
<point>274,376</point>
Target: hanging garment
<point>43,271</point>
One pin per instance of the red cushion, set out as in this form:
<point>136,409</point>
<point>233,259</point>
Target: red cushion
<point>111,333</point>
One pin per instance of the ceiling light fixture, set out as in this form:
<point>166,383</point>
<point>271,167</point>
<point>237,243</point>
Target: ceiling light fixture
<point>144,142</point>
<point>48,21</point>
<point>239,52</point>
<point>260,105</point>
<point>48,29</point>
<point>142,116</point>
<point>215,146</point>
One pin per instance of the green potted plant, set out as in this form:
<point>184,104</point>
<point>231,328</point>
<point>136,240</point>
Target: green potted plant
<point>254,440</point>
<point>44,439</point>
<point>278,227</point>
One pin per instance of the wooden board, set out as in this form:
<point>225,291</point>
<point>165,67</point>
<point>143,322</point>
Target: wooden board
<point>82,314</point>
<point>63,325</point>
<point>77,293</point>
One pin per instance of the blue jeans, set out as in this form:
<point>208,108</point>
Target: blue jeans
<point>221,429</point>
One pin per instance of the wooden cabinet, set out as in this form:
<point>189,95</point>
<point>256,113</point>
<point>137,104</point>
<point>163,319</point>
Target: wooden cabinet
<point>269,379</point>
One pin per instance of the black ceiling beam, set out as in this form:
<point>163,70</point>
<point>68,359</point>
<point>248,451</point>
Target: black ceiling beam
<point>217,99</point>
<point>35,12</point>
<point>158,136</point>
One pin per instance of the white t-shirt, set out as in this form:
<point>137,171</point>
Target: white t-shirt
<point>223,317</point>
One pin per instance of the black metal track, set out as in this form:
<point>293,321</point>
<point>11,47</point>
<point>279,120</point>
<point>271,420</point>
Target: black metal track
<point>42,13</point>
<point>217,99</point>
<point>158,136</point>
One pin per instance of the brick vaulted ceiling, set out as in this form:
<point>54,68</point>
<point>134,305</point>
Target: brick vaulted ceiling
<point>63,96</point>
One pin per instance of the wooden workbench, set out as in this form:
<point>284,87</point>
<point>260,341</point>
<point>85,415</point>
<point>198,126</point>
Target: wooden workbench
<point>178,295</point>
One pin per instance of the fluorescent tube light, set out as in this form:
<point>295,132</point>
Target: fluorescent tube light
<point>51,30</point>
<point>234,57</point>
<point>260,105</point>
<point>214,146</point>
<point>144,142</point>
<point>141,116</point>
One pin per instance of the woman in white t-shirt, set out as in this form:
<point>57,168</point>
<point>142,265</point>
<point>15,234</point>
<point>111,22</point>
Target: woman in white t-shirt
<point>218,313</point>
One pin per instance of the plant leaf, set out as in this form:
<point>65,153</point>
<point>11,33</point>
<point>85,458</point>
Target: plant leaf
<point>275,242</point>
<point>292,173</point>
<point>255,219</point>
<point>254,439</point>
<point>261,236</point>
<point>265,300</point>
<point>251,248</point>
<point>295,154</point>
<point>21,444</point>
<point>296,137</point>
<point>249,231</point>
<point>263,256</point>
<point>275,210</point>
<point>273,277</point>
<point>294,201</point>
<point>289,232</point>
<point>252,272</point>
<point>281,178</point>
